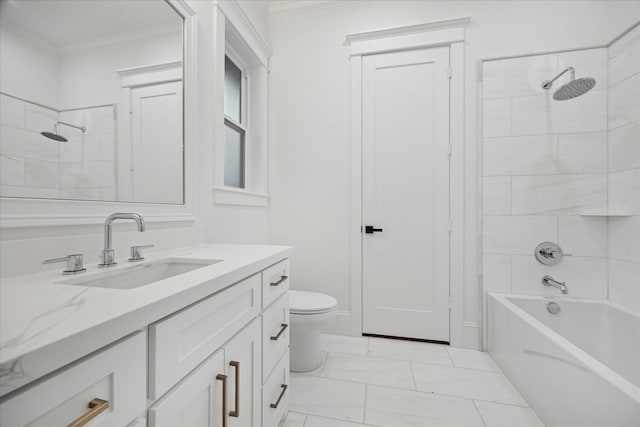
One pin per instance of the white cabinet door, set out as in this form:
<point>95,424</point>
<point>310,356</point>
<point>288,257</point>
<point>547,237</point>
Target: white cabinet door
<point>405,119</point>
<point>109,385</point>
<point>197,401</point>
<point>243,360</point>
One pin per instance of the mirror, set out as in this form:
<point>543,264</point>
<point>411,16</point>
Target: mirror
<point>91,104</point>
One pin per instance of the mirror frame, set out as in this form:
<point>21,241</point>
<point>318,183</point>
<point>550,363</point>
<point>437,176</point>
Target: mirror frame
<point>24,212</point>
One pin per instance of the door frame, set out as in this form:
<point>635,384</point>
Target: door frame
<point>442,33</point>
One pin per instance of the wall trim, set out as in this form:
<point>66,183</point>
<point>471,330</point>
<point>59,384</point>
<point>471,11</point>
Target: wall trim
<point>409,37</point>
<point>238,197</point>
<point>450,33</point>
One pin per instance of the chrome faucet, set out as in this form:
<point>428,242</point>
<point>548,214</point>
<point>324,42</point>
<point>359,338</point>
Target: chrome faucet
<point>108,258</point>
<point>550,281</point>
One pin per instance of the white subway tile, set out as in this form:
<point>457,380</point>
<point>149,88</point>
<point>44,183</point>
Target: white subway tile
<point>624,102</point>
<point>90,148</point>
<point>624,57</point>
<point>624,238</point>
<point>39,119</point>
<point>559,194</point>
<point>504,234</point>
<point>624,192</point>
<point>107,146</point>
<point>585,277</point>
<point>582,152</point>
<point>517,76</point>
<point>11,170</point>
<point>71,176</point>
<point>587,63</point>
<point>496,195</point>
<point>624,283</point>
<point>71,151</point>
<point>624,147</point>
<point>496,273</point>
<point>520,155</point>
<point>80,194</point>
<point>496,115</point>
<point>30,192</point>
<point>534,115</point>
<point>12,111</point>
<point>108,194</point>
<point>16,142</point>
<point>100,174</point>
<point>583,236</point>
<point>41,174</point>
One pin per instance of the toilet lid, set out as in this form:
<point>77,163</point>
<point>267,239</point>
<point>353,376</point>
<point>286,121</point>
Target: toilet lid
<point>303,302</point>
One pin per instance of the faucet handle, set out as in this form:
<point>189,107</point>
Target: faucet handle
<point>136,252</point>
<point>74,263</point>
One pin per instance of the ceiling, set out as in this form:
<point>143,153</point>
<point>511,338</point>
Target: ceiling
<point>63,23</point>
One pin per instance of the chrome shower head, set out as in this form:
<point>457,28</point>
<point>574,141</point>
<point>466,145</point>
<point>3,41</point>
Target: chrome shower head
<point>573,89</point>
<point>56,136</point>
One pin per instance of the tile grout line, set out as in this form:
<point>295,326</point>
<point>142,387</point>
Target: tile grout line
<point>364,407</point>
<point>478,411</point>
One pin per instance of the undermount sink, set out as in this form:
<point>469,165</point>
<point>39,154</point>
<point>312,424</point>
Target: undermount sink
<point>142,274</point>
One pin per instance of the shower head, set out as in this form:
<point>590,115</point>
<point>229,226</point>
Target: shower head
<point>56,136</point>
<point>573,89</point>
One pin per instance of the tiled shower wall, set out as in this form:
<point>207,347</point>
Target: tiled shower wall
<point>624,169</point>
<point>34,166</point>
<point>544,175</point>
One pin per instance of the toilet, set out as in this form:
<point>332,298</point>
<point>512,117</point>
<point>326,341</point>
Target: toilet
<point>309,312</point>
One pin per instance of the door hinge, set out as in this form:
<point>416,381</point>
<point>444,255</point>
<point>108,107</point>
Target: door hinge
<point>449,150</point>
<point>450,227</point>
<point>449,72</point>
<point>450,303</point>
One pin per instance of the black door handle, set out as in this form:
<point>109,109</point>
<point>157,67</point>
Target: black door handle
<point>370,230</point>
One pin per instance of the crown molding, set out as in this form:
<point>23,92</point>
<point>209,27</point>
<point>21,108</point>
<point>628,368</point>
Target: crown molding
<point>407,30</point>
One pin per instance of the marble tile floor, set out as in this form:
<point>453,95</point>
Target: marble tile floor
<point>393,383</point>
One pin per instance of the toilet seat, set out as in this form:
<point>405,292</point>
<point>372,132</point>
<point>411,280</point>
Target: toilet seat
<point>306,303</point>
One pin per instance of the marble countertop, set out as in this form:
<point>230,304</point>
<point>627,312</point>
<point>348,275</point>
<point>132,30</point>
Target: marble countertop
<point>45,324</point>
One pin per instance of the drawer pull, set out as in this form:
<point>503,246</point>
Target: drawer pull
<point>223,378</point>
<point>275,405</point>
<point>96,407</point>
<point>282,279</point>
<point>236,365</point>
<point>281,331</point>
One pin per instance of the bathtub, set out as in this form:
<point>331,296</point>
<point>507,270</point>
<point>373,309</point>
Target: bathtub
<point>580,367</point>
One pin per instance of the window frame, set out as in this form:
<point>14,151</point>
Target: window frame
<point>242,126</point>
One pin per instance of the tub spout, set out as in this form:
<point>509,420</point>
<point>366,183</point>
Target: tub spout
<point>550,281</point>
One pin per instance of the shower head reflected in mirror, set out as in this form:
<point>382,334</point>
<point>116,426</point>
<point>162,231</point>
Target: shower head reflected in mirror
<point>573,89</point>
<point>56,136</point>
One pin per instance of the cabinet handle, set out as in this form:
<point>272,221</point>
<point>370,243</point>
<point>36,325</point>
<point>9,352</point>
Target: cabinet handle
<point>96,407</point>
<point>236,365</point>
<point>280,332</point>
<point>223,378</point>
<point>282,279</point>
<point>275,405</point>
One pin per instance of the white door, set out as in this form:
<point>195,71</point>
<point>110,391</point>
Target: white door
<point>197,401</point>
<point>243,359</point>
<point>405,118</point>
<point>156,125</point>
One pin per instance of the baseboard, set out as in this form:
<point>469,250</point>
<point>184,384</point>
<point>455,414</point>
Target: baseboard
<point>472,336</point>
<point>340,326</point>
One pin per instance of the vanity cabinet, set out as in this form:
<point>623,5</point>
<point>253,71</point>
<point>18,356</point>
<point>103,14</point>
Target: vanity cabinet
<point>221,361</point>
<point>109,384</point>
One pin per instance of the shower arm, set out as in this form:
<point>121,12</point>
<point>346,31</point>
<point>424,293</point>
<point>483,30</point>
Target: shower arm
<point>547,84</point>
<point>80,128</point>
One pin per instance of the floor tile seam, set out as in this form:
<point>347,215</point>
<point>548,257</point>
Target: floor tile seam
<point>453,396</point>
<point>336,419</point>
<point>450,357</point>
<point>324,363</point>
<point>369,383</point>
<point>409,360</point>
<point>478,412</point>
<point>461,367</point>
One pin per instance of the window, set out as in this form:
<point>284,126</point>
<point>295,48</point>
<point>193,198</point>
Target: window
<point>235,131</point>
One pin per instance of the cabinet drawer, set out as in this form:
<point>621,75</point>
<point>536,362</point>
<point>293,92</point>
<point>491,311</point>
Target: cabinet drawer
<point>115,375</point>
<point>275,392</point>
<point>180,342</point>
<point>275,334</point>
<point>275,282</point>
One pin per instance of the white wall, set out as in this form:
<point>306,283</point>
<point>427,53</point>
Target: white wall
<point>623,14</point>
<point>309,125</point>
<point>22,249</point>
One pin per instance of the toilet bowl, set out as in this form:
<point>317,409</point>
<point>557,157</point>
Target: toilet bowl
<point>308,313</point>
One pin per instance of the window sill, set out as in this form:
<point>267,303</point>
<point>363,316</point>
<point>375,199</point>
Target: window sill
<point>239,197</point>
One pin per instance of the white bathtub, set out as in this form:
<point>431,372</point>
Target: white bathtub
<point>580,367</point>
